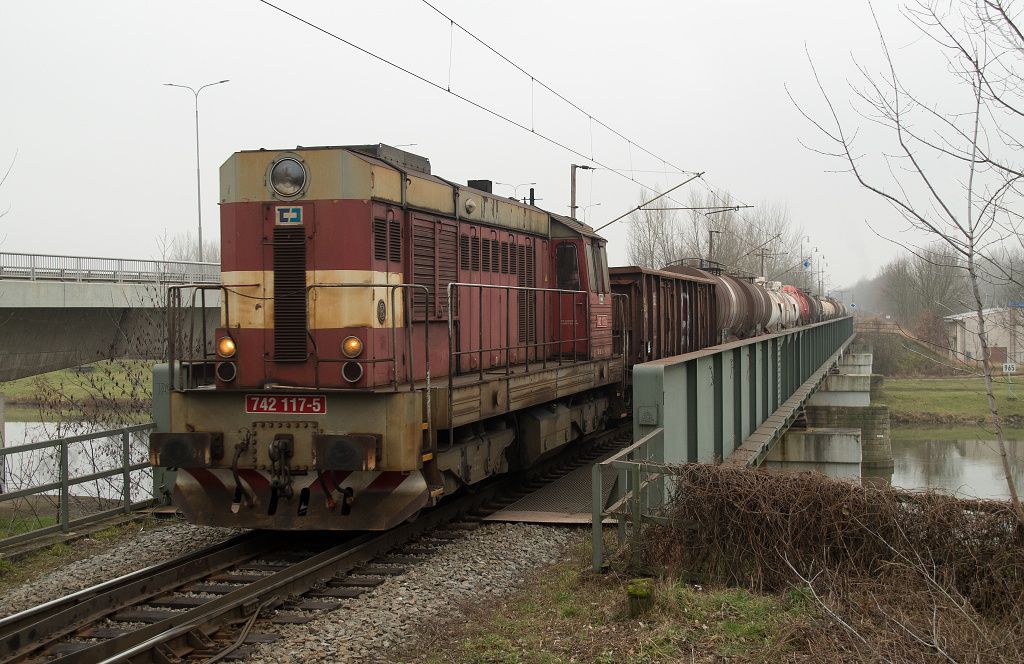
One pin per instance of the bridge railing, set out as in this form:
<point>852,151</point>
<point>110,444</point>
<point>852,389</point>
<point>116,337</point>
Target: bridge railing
<point>55,485</point>
<point>724,404</point>
<point>43,267</point>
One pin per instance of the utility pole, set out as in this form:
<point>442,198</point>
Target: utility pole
<point>572,186</point>
<point>711,244</point>
<point>763,253</point>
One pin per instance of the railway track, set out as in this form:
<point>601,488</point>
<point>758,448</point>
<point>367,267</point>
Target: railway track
<point>203,606</point>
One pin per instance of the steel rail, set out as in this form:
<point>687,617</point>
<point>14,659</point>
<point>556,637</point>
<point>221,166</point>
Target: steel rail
<point>34,628</point>
<point>176,633</point>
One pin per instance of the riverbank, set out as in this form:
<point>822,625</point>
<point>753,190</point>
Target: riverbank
<point>950,401</point>
<point>122,386</point>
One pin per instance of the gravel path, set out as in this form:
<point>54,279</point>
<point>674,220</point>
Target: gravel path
<point>489,561</point>
<point>125,555</point>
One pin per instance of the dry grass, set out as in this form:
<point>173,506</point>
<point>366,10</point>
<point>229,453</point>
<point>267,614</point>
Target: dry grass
<point>905,576</point>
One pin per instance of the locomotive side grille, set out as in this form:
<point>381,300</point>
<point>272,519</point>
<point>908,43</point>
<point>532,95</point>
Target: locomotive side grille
<point>527,299</point>
<point>395,241</point>
<point>380,239</point>
<point>487,255</point>
<point>387,240</point>
<point>464,251</point>
<point>474,261</point>
<point>289,294</point>
<point>447,264</point>
<point>423,268</point>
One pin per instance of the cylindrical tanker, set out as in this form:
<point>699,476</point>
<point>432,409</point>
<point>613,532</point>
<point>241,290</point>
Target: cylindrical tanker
<point>729,300</point>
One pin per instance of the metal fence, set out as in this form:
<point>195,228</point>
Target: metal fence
<point>38,479</point>
<point>641,484</point>
<point>40,267</point>
<point>725,404</point>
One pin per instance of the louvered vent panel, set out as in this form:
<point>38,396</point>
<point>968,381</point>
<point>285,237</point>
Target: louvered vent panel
<point>464,252</point>
<point>487,255</point>
<point>447,264</point>
<point>380,240</point>
<point>527,299</point>
<point>474,253</point>
<point>423,268</point>
<point>289,294</point>
<point>395,241</point>
<point>504,257</point>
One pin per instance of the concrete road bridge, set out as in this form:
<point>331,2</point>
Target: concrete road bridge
<point>64,311</point>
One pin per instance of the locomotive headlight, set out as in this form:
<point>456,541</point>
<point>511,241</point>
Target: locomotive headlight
<point>352,346</point>
<point>226,347</point>
<point>288,177</point>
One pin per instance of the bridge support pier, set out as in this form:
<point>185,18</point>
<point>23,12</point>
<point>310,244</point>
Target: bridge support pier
<point>830,451</point>
<point>843,404</point>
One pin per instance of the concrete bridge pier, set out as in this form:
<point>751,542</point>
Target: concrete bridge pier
<point>845,433</point>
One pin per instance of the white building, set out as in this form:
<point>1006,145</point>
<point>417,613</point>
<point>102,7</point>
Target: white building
<point>1005,330</point>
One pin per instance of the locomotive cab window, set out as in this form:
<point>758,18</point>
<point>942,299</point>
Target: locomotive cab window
<point>589,252</point>
<point>602,268</point>
<point>567,266</point>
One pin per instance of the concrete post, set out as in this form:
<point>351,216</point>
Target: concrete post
<point>3,438</point>
<point>163,480</point>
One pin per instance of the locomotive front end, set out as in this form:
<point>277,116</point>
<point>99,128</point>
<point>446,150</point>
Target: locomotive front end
<point>307,406</point>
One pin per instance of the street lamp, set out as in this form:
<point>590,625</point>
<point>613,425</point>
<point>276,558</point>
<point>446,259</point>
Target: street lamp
<point>515,187</point>
<point>587,207</point>
<point>199,197</point>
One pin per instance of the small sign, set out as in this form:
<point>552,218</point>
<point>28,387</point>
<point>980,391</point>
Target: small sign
<point>807,264</point>
<point>1015,304</point>
<point>1009,368</point>
<point>288,215</point>
<point>853,305</point>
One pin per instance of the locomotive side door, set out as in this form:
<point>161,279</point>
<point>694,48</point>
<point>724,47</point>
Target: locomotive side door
<point>568,311</point>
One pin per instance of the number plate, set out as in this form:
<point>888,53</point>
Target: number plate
<point>285,404</point>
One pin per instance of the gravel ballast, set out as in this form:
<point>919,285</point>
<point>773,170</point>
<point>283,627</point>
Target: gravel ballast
<point>487,562</point>
<point>125,555</point>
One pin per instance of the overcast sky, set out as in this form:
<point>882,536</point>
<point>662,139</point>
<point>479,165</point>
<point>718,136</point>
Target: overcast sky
<point>105,153</point>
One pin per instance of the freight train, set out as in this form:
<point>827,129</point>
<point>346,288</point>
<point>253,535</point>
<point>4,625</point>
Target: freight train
<point>389,337</point>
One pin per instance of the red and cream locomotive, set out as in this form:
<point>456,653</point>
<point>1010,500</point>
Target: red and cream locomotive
<point>388,337</point>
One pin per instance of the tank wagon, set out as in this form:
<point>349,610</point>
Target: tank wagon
<point>389,337</point>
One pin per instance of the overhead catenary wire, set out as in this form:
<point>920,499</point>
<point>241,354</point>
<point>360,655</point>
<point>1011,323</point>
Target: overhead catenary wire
<point>590,116</point>
<point>664,193</point>
<point>476,104</point>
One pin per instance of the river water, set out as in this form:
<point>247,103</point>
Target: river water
<point>962,461</point>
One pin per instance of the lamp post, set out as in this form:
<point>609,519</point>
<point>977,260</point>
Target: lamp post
<point>587,207</point>
<point>199,197</point>
<point>515,187</point>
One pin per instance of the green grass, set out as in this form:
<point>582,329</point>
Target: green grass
<point>114,379</point>
<point>567,614</point>
<point>17,525</point>
<point>951,399</point>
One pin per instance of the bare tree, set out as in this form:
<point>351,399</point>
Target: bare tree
<point>3,179</point>
<point>185,247</point>
<point>651,237</point>
<point>951,173</point>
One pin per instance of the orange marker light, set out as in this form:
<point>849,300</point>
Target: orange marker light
<point>352,346</point>
<point>226,347</point>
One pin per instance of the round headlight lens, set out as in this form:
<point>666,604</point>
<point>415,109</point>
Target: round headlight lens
<point>226,347</point>
<point>352,346</point>
<point>288,177</point>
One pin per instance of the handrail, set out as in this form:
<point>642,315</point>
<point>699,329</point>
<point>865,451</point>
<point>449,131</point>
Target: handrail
<point>539,332</point>
<point>57,267</point>
<point>65,481</point>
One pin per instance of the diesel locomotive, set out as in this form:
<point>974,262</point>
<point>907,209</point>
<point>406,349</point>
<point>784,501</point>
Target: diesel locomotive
<point>388,337</point>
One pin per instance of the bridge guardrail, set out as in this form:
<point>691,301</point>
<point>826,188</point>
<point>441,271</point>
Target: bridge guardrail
<point>45,267</point>
<point>51,461</point>
<point>724,404</point>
